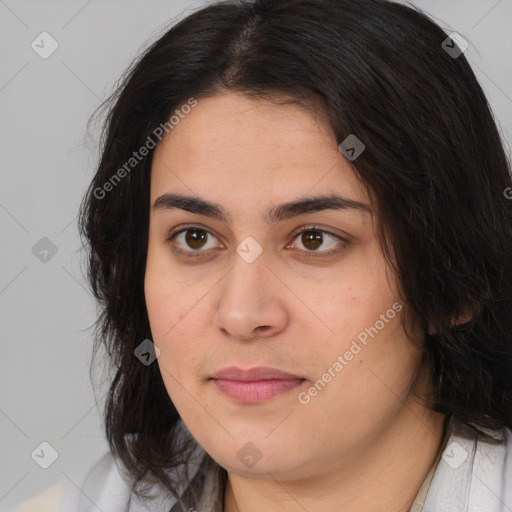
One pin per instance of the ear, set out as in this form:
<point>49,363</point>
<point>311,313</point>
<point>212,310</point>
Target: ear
<point>462,319</point>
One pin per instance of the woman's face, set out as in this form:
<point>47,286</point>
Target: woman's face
<point>303,289</point>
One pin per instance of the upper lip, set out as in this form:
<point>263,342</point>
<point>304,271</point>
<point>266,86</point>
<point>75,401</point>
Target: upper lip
<point>252,374</point>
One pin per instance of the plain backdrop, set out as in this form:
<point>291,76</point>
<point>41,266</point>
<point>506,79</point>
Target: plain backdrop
<point>47,162</point>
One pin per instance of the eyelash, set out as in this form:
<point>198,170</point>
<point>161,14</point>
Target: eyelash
<point>309,254</point>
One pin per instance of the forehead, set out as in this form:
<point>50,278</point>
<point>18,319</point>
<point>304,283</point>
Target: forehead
<point>243,149</point>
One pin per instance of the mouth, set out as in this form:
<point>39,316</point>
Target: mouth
<point>256,384</point>
<point>256,391</point>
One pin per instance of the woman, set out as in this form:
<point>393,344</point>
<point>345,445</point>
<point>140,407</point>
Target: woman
<point>300,239</point>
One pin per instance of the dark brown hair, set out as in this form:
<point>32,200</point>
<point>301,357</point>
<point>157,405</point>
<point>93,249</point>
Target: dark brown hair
<point>434,161</point>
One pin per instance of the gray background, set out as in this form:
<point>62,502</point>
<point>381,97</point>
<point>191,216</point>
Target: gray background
<point>48,160</point>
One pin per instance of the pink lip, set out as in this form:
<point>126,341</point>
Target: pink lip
<point>256,391</point>
<point>256,384</point>
<point>252,374</point>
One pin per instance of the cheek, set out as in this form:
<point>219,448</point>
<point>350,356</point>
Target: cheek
<point>347,309</point>
<point>378,362</point>
<point>173,310</point>
<point>166,292</point>
<point>159,304</point>
<point>368,387</point>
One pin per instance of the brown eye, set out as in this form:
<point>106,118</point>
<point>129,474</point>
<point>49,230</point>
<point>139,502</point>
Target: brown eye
<point>312,239</point>
<point>195,238</point>
<point>314,242</point>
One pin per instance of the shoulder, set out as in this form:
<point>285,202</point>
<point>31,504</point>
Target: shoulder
<point>474,474</point>
<point>491,479</point>
<point>107,488</point>
<point>103,488</point>
<point>47,501</point>
<point>88,495</point>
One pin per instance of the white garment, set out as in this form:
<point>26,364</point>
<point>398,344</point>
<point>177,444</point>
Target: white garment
<point>473,475</point>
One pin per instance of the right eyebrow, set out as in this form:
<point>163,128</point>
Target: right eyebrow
<point>275,214</point>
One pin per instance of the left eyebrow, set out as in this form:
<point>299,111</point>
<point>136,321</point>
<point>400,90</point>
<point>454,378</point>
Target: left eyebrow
<point>275,214</point>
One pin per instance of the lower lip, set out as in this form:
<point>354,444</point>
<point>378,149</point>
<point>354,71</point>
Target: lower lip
<point>258,390</point>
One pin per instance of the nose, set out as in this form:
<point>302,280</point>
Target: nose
<point>251,301</point>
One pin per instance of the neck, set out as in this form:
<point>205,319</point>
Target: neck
<point>382,476</point>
